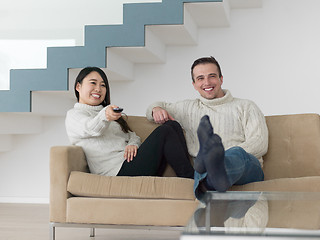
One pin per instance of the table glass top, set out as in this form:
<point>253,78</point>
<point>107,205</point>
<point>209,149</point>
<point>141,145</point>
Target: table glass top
<point>239,213</point>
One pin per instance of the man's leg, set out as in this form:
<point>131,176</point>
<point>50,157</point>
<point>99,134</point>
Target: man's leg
<point>223,169</point>
<point>210,157</point>
<point>242,167</point>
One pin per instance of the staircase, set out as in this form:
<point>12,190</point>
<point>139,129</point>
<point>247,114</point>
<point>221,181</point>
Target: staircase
<point>147,29</point>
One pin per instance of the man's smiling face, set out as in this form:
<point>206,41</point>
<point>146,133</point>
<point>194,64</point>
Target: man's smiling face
<point>207,81</point>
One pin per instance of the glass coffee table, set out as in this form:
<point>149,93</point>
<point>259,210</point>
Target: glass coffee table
<point>256,215</point>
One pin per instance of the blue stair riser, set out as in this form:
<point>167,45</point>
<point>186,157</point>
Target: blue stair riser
<point>97,38</point>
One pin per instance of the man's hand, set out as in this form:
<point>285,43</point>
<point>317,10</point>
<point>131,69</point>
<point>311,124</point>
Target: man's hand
<point>161,115</point>
<point>130,152</point>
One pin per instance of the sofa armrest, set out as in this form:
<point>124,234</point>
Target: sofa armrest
<point>63,160</point>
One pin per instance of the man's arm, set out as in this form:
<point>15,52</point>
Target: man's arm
<point>256,132</point>
<point>161,115</point>
<point>158,112</point>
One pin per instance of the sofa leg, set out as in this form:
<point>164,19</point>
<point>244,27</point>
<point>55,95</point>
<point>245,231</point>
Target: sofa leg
<point>92,232</point>
<point>52,232</point>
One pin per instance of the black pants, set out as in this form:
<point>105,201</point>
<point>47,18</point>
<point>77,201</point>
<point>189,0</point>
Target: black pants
<point>165,145</point>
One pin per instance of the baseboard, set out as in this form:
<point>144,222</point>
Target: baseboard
<point>23,200</point>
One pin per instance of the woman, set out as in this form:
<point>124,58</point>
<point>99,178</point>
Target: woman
<point>110,146</point>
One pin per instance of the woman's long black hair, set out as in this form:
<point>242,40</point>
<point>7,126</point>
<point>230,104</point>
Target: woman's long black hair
<point>82,74</point>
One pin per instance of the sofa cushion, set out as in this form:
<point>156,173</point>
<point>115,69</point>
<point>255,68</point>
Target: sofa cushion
<point>290,213</point>
<point>152,212</point>
<point>141,126</point>
<point>143,187</point>
<point>301,184</point>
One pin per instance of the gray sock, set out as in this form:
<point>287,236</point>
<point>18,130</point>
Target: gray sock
<point>211,157</point>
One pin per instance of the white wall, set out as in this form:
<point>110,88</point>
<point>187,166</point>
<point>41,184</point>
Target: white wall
<point>24,172</point>
<point>268,55</point>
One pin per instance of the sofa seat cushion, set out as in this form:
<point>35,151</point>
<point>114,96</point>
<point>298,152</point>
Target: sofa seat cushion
<point>300,184</point>
<point>143,187</point>
<point>291,213</point>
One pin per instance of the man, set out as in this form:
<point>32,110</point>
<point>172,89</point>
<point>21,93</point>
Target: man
<point>226,135</point>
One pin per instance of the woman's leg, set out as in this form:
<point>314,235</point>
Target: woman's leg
<point>148,160</point>
<point>161,147</point>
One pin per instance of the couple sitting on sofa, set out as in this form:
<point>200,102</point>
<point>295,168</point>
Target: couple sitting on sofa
<point>214,122</point>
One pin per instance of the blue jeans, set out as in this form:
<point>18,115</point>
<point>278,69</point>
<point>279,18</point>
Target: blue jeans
<point>241,168</point>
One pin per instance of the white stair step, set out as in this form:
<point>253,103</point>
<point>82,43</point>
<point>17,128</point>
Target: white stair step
<point>20,123</point>
<point>210,14</point>
<point>57,103</point>
<point>52,103</point>
<point>72,75</point>
<point>245,4</point>
<point>186,34</point>
<point>152,52</point>
<point>118,67</point>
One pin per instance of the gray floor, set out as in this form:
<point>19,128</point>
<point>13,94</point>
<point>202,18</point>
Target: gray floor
<point>31,222</point>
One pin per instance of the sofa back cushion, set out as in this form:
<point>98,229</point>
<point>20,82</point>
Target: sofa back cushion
<point>294,146</point>
<point>141,126</point>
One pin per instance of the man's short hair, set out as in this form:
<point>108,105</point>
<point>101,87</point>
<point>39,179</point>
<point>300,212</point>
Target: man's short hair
<point>205,60</point>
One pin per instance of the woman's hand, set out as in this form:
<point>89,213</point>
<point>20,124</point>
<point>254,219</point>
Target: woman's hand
<point>130,152</point>
<point>112,115</point>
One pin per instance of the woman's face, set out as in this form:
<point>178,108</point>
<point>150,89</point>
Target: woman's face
<point>92,90</point>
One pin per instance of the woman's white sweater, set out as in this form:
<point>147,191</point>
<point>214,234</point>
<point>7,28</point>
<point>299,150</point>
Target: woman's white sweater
<point>103,141</point>
<point>238,122</point>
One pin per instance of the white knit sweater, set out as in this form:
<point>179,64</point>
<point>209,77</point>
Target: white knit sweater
<point>102,141</point>
<point>238,122</point>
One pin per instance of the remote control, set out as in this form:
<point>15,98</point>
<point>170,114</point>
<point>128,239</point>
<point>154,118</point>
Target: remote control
<point>118,110</point>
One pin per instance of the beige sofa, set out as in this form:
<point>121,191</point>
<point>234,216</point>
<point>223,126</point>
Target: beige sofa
<point>81,199</point>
